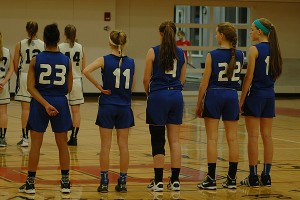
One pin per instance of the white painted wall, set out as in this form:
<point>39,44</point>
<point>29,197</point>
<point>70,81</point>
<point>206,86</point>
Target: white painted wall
<point>140,20</point>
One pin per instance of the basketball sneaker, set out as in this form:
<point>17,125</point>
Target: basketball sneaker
<point>3,142</point>
<point>174,186</point>
<point>28,187</point>
<point>155,187</point>
<point>229,183</point>
<point>72,141</point>
<point>265,180</point>
<point>23,142</point>
<point>103,188</point>
<point>121,186</point>
<point>65,186</point>
<point>208,183</point>
<point>251,181</point>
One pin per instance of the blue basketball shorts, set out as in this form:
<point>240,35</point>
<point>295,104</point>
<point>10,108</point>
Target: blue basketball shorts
<point>110,116</point>
<point>38,117</point>
<point>221,103</point>
<point>259,106</point>
<point>164,107</point>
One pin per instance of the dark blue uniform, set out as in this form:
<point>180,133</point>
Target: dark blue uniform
<point>260,101</point>
<point>51,80</point>
<point>115,109</point>
<point>165,101</point>
<point>221,97</point>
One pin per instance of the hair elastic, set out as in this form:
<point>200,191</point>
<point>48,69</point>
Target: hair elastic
<point>260,26</point>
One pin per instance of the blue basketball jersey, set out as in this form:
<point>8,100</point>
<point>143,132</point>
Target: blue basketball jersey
<point>162,80</point>
<point>262,83</point>
<point>51,73</point>
<point>220,61</point>
<point>117,79</point>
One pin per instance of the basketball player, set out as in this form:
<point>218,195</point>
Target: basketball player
<point>24,52</point>
<point>257,101</point>
<point>164,77</point>
<point>6,70</point>
<point>218,98</point>
<point>75,52</point>
<point>49,80</point>
<point>114,105</point>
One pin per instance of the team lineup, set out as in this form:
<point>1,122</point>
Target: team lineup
<point>49,87</point>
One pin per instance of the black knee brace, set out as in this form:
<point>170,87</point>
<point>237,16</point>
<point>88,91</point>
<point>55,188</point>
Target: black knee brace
<point>158,139</point>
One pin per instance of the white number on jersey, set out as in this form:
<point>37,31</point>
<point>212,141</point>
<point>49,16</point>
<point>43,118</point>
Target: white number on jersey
<point>47,73</point>
<point>222,73</point>
<point>126,73</point>
<point>173,71</point>
<point>267,62</point>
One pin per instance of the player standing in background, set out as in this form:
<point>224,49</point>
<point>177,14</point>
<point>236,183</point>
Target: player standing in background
<point>50,79</point>
<point>257,101</point>
<point>25,50</point>
<point>6,70</point>
<point>164,77</point>
<point>183,42</point>
<point>118,76</point>
<point>218,98</point>
<point>75,52</point>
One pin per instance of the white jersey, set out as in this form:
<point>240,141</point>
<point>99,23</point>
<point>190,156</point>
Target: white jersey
<point>29,51</point>
<point>75,53</point>
<point>4,66</point>
<point>4,63</point>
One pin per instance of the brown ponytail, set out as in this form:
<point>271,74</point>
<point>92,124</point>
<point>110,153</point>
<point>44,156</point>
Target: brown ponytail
<point>31,28</point>
<point>168,50</point>
<point>70,33</point>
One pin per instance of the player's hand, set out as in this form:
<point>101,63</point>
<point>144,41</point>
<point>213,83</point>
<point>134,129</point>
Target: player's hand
<point>108,92</point>
<point>199,110</point>
<point>241,107</point>
<point>51,110</point>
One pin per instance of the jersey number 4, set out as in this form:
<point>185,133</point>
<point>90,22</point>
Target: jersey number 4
<point>76,57</point>
<point>44,76</point>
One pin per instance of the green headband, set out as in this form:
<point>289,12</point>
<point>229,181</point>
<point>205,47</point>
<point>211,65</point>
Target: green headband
<point>259,25</point>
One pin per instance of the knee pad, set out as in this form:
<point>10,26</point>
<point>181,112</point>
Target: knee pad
<point>158,139</point>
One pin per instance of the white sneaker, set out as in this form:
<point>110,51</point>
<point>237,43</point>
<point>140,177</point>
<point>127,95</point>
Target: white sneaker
<point>155,187</point>
<point>23,142</point>
<point>175,186</point>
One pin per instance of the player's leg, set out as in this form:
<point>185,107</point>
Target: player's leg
<point>231,136</point>
<point>76,118</point>
<point>3,124</point>
<point>122,139</point>
<point>173,133</point>
<point>266,134</point>
<point>34,156</point>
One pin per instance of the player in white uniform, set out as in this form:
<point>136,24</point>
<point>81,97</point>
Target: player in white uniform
<point>75,52</point>
<point>6,70</point>
<point>25,50</point>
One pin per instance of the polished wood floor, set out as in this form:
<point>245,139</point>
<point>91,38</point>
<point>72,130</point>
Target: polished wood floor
<point>85,165</point>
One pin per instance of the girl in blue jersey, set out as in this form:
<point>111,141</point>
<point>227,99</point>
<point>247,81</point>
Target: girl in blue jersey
<point>25,50</point>
<point>164,77</point>
<point>6,70</point>
<point>114,105</point>
<point>257,101</point>
<point>49,80</point>
<point>218,98</point>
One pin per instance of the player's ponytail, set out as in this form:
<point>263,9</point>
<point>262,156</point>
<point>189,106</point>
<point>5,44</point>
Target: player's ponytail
<point>168,50</point>
<point>32,29</point>
<point>70,33</point>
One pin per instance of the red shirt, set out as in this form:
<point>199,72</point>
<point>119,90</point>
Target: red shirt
<point>185,43</point>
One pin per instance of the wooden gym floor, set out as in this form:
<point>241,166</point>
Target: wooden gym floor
<point>85,165</point>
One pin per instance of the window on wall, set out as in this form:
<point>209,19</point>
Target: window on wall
<point>199,25</point>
